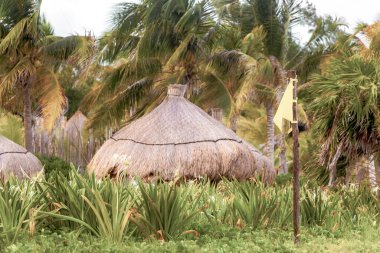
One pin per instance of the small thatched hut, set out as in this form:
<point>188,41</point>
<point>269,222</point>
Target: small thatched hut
<point>75,126</point>
<point>16,160</point>
<point>176,139</point>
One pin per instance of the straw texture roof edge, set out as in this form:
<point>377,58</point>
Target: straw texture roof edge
<point>16,160</point>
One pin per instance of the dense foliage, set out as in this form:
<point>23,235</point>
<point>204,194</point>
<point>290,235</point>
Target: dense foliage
<point>53,165</point>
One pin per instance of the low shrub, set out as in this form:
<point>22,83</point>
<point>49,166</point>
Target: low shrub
<point>53,165</point>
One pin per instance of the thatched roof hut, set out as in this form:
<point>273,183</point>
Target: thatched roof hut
<point>74,127</point>
<point>16,160</point>
<point>176,138</point>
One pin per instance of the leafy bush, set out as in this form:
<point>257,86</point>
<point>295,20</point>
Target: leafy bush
<point>53,165</point>
<point>284,179</point>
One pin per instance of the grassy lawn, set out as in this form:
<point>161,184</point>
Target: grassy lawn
<point>361,239</point>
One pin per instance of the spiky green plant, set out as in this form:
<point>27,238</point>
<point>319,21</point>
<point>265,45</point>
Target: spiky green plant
<point>19,204</point>
<point>103,207</point>
<point>260,206</point>
<point>166,210</point>
<point>319,208</point>
<point>217,204</point>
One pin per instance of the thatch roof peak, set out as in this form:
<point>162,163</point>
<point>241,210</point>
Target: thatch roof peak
<point>77,117</point>
<point>178,90</point>
<point>177,137</point>
<point>15,159</point>
<point>176,121</point>
<point>75,126</point>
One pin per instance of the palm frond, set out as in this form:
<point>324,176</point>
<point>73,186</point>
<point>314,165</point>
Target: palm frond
<point>23,68</point>
<point>253,43</point>
<point>198,19</point>
<point>115,108</point>
<point>14,38</point>
<point>74,48</point>
<point>51,97</point>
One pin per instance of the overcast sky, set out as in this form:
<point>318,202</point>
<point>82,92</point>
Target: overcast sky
<point>76,16</point>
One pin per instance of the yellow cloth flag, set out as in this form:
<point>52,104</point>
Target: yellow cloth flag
<point>285,109</point>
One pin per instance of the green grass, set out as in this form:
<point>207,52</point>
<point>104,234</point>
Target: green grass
<point>361,239</point>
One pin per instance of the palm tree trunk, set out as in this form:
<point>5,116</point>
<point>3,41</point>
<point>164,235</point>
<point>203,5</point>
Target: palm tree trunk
<point>372,173</point>
<point>282,156</point>
<point>270,133</point>
<point>366,169</point>
<point>332,165</point>
<point>28,136</point>
<point>377,169</point>
<point>233,122</point>
<point>351,170</point>
<point>361,169</point>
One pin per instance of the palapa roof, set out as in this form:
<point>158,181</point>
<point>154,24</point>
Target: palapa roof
<point>75,125</point>
<point>176,138</point>
<point>16,160</point>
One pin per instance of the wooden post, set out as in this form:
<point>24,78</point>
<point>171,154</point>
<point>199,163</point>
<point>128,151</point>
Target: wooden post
<point>296,162</point>
<point>217,113</point>
<point>90,145</point>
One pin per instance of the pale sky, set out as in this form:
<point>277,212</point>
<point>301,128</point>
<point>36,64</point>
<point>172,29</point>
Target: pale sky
<point>76,16</point>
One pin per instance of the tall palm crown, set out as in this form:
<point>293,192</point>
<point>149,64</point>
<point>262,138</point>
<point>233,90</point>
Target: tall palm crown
<point>152,42</point>
<point>344,100</point>
<point>31,55</point>
<point>263,49</point>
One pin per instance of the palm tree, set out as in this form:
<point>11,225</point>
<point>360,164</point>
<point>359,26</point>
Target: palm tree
<point>30,56</point>
<point>152,43</point>
<point>345,102</point>
<point>266,49</point>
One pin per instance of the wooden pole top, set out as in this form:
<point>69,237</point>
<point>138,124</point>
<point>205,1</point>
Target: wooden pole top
<point>292,74</point>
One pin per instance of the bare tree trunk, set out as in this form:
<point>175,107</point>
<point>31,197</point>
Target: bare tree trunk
<point>366,168</point>
<point>350,171</point>
<point>372,173</point>
<point>332,165</point>
<point>233,122</point>
<point>282,156</point>
<point>361,169</point>
<point>28,135</point>
<point>377,169</point>
<point>270,133</point>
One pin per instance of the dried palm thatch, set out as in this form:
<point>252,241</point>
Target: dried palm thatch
<point>176,139</point>
<point>16,160</point>
<point>263,164</point>
<point>75,126</point>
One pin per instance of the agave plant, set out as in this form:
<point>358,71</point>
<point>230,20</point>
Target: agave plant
<point>103,208</point>
<point>165,210</point>
<point>319,208</point>
<point>218,205</point>
<point>259,206</point>
<point>20,202</point>
<point>357,202</point>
